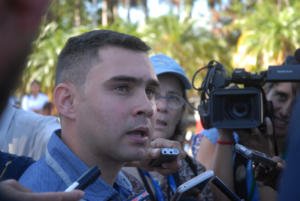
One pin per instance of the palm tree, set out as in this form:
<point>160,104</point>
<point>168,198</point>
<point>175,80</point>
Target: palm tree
<point>67,14</point>
<point>105,12</point>
<point>129,4</point>
<point>191,46</point>
<point>268,34</point>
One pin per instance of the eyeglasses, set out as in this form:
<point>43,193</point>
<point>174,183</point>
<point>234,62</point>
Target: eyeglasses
<point>173,101</point>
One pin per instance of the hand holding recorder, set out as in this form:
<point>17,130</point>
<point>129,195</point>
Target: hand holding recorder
<point>267,169</point>
<point>163,155</point>
<point>255,156</point>
<point>199,182</point>
<point>167,155</point>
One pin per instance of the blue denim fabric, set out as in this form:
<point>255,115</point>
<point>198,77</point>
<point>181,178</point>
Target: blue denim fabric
<point>42,177</point>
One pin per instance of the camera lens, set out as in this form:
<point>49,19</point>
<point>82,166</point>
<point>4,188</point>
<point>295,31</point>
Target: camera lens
<point>239,110</point>
<point>236,108</point>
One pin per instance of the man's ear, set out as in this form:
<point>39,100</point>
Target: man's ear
<point>65,100</point>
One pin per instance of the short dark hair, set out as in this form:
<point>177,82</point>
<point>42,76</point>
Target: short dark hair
<point>81,52</point>
<point>35,82</point>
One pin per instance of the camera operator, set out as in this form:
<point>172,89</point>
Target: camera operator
<point>236,171</point>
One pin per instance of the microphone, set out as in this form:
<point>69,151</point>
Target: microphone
<point>85,179</point>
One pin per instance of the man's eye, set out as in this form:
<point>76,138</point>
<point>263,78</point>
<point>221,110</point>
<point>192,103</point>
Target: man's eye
<point>122,89</point>
<point>150,92</point>
<point>281,97</point>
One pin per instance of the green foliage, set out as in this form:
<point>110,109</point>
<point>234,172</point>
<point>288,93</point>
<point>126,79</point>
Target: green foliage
<point>269,34</point>
<point>41,63</point>
<point>191,46</point>
<point>68,14</point>
<point>248,34</point>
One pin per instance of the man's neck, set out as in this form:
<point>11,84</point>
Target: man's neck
<point>109,171</point>
<point>109,168</point>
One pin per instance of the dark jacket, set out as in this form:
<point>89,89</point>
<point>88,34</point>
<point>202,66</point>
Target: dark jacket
<point>13,166</point>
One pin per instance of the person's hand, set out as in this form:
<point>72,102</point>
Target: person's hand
<point>267,128</point>
<point>261,139</point>
<point>11,190</point>
<point>269,176</point>
<point>153,152</point>
<point>255,138</point>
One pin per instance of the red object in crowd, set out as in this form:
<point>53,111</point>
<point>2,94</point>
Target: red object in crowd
<point>199,126</point>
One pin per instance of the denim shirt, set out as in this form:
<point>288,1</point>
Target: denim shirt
<point>60,167</point>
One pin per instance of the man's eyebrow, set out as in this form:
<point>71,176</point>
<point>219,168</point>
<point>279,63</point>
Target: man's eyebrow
<point>154,83</point>
<point>125,78</point>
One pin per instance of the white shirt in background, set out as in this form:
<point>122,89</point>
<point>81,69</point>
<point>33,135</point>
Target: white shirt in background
<point>31,103</point>
<point>25,133</point>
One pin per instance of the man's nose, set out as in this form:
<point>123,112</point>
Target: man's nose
<point>145,106</point>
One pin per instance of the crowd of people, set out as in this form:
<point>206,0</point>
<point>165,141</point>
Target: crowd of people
<point>118,108</point>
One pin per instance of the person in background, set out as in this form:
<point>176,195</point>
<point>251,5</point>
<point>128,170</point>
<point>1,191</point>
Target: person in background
<point>170,124</point>
<point>18,28</point>
<point>36,100</point>
<point>216,151</point>
<point>25,133</point>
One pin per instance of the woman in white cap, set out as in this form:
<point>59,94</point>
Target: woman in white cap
<point>169,124</point>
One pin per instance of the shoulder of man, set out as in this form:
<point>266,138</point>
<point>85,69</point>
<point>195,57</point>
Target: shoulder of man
<point>39,177</point>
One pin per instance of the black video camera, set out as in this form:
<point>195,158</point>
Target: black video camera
<point>238,108</point>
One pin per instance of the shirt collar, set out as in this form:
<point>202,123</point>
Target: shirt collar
<point>67,160</point>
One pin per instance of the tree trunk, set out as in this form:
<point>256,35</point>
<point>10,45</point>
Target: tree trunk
<point>127,6</point>
<point>105,12</point>
<point>189,8</point>
<point>114,10</point>
<point>95,13</point>
<point>145,9</point>
<point>77,17</point>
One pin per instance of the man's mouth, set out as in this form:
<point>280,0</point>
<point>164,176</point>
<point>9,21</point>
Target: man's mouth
<point>139,135</point>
